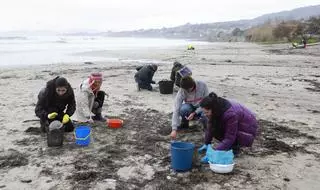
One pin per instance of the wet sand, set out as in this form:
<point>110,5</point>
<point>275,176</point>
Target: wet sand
<point>281,86</point>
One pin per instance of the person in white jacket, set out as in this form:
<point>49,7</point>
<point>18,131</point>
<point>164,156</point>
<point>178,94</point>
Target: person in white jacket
<point>187,102</point>
<point>90,99</point>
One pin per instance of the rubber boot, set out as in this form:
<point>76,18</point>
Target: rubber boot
<point>98,115</point>
<point>44,126</point>
<point>184,125</point>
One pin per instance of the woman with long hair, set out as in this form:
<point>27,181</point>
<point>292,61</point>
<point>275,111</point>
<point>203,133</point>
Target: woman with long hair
<point>231,123</point>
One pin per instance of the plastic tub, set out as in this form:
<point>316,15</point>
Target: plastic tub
<point>114,123</point>
<point>82,135</point>
<point>181,156</point>
<point>222,169</point>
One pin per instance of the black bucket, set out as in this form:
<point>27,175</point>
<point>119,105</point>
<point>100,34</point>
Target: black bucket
<point>55,134</point>
<point>166,86</point>
<point>55,138</point>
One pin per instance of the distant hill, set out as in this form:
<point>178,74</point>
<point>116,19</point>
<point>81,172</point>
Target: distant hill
<point>219,31</point>
<point>295,14</point>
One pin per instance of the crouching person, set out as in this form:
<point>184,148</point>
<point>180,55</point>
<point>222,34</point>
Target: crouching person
<point>144,76</point>
<point>90,99</point>
<point>178,71</point>
<point>231,123</point>
<point>53,100</point>
<point>186,105</point>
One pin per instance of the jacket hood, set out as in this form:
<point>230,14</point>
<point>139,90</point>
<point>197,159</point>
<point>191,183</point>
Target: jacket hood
<point>85,86</point>
<point>51,87</point>
<point>177,64</point>
<point>154,67</point>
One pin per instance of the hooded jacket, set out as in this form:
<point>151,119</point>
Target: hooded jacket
<point>85,100</point>
<point>175,77</point>
<point>236,125</point>
<point>49,101</point>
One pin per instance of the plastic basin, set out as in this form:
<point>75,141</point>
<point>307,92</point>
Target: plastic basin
<point>114,123</point>
<point>220,168</point>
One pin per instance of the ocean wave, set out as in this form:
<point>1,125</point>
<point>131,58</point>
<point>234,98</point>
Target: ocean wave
<point>13,38</point>
<point>61,41</point>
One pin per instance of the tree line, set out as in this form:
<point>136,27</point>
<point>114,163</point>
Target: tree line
<point>284,31</point>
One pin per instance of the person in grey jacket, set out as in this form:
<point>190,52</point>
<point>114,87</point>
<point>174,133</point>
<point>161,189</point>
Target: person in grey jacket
<point>187,102</point>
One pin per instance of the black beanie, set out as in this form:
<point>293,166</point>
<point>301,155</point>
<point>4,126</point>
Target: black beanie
<point>177,64</point>
<point>187,82</point>
<point>61,82</point>
<point>154,67</point>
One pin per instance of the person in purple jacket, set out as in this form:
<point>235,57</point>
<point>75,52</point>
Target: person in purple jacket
<point>231,123</point>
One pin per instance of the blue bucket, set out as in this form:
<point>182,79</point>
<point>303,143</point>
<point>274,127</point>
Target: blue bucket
<point>181,156</point>
<point>82,135</point>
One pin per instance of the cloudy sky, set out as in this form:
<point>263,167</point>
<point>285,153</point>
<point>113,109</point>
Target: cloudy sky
<point>101,15</point>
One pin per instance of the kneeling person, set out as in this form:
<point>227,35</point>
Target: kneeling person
<point>56,97</point>
<point>186,105</point>
<point>178,71</point>
<point>230,122</point>
<point>90,99</point>
<point>144,76</point>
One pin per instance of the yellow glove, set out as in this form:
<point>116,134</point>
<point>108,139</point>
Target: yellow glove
<point>65,119</point>
<point>52,115</point>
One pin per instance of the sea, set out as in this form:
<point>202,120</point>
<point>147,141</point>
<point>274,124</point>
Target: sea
<point>18,51</point>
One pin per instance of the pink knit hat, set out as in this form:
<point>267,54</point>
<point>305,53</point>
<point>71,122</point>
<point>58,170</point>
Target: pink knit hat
<point>95,77</point>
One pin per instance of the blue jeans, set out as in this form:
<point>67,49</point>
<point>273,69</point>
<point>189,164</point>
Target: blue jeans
<point>186,110</point>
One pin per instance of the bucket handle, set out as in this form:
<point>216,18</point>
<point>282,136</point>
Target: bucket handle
<point>82,139</point>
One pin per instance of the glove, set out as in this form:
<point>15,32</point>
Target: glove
<point>65,119</point>
<point>52,115</point>
<point>95,104</point>
<point>203,148</point>
<point>204,160</point>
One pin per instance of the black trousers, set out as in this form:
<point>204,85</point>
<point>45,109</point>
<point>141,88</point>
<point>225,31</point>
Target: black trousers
<point>45,122</point>
<point>100,100</point>
<point>143,84</point>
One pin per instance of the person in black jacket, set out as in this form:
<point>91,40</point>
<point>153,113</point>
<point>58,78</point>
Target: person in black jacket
<point>144,76</point>
<point>175,77</point>
<point>178,71</point>
<point>53,100</point>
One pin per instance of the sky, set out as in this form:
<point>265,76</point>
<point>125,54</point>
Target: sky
<point>117,15</point>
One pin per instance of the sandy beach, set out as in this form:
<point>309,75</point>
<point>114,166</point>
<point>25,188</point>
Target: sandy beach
<point>281,86</point>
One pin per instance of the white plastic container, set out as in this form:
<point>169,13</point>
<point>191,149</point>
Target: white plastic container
<point>222,169</point>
